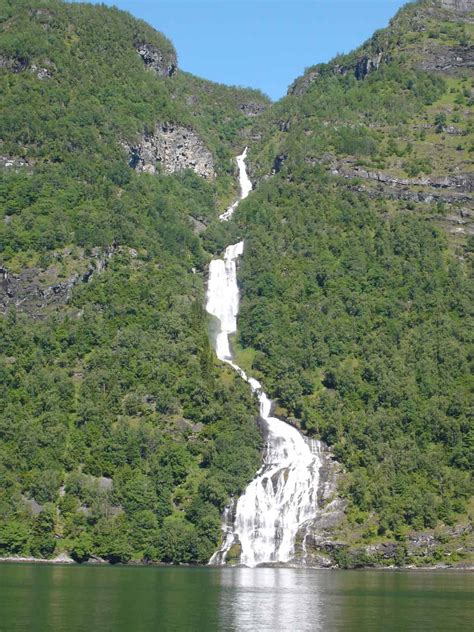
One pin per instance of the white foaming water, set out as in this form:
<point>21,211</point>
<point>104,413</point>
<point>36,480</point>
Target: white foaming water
<point>283,494</point>
<point>245,187</point>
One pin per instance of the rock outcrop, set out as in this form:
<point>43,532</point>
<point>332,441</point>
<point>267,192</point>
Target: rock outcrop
<point>366,65</point>
<point>165,65</point>
<point>20,64</point>
<point>463,6</point>
<point>316,538</point>
<point>360,69</point>
<point>13,64</point>
<point>454,191</point>
<point>252,108</point>
<point>278,163</point>
<point>172,148</point>
<point>30,292</point>
<point>13,162</point>
<point>450,60</point>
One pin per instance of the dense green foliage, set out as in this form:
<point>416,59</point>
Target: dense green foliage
<point>357,322</point>
<point>115,419</point>
<point>125,387</point>
<point>70,126</point>
<point>354,308</point>
<point>120,436</point>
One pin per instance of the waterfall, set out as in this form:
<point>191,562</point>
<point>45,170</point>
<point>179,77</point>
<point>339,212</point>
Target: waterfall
<point>245,187</point>
<point>283,494</point>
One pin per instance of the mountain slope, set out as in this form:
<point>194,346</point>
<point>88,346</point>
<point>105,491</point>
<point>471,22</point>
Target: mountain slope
<point>355,299</point>
<point>119,437</point>
<point>393,118</point>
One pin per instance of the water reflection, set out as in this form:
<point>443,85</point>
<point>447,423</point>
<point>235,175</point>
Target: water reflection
<point>281,600</point>
<point>272,599</point>
<point>124,599</point>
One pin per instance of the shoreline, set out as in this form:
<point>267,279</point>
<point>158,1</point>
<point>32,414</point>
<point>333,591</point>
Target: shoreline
<point>65,560</point>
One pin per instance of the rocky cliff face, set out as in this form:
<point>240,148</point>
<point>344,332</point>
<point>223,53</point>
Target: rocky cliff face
<point>165,65</point>
<point>367,64</point>
<point>452,60</point>
<point>362,67</point>
<point>463,6</point>
<point>317,537</point>
<point>34,290</point>
<point>42,70</point>
<point>447,59</point>
<point>252,108</point>
<point>172,148</point>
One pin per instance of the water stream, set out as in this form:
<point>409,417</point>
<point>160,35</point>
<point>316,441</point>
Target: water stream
<point>283,494</point>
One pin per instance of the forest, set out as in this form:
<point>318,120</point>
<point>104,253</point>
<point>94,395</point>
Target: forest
<point>121,436</point>
<point>356,299</point>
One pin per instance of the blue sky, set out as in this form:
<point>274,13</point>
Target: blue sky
<point>264,44</point>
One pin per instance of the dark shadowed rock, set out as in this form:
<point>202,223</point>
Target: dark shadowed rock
<point>278,162</point>
<point>13,64</point>
<point>28,291</point>
<point>165,65</point>
<point>366,65</point>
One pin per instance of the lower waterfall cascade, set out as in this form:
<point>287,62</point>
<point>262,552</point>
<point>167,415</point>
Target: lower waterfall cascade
<point>283,495</point>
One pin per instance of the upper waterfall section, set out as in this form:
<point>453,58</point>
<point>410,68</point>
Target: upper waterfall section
<point>245,187</point>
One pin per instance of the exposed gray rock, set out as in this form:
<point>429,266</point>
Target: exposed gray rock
<point>420,544</point>
<point>301,85</point>
<point>462,6</point>
<point>252,108</point>
<point>165,65</point>
<point>461,183</point>
<point>366,65</point>
<point>447,189</point>
<point>315,539</point>
<point>41,72</point>
<point>174,148</point>
<point>425,197</point>
<point>11,162</point>
<point>27,293</point>
<point>198,226</point>
<point>34,507</point>
<point>361,68</point>
<point>453,131</point>
<point>183,425</point>
<point>450,60</point>
<point>13,64</point>
<point>105,483</point>
<point>20,64</point>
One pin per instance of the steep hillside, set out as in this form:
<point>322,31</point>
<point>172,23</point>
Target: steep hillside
<point>119,437</point>
<point>355,279</point>
<point>393,118</point>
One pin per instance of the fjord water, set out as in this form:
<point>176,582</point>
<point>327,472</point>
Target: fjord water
<point>283,494</point>
<point>52,598</point>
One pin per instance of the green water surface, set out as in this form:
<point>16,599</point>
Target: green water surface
<point>138,599</point>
